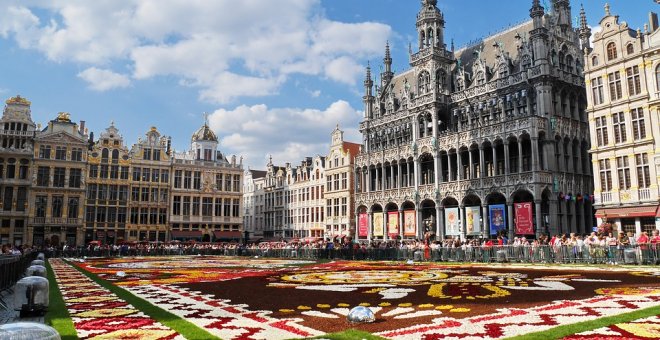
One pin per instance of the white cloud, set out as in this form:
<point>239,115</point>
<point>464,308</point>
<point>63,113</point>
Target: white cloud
<point>225,48</point>
<point>289,134</point>
<point>103,80</point>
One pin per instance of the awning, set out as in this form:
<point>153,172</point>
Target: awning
<point>644,211</point>
<point>227,235</point>
<point>186,234</point>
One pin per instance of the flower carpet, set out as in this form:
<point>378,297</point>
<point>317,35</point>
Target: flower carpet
<point>98,314</point>
<point>247,298</point>
<point>645,328</point>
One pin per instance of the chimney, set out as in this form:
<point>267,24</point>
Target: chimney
<point>82,127</point>
<point>653,21</point>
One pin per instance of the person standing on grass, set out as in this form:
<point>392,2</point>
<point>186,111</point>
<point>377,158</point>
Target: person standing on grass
<point>611,242</point>
<point>643,241</point>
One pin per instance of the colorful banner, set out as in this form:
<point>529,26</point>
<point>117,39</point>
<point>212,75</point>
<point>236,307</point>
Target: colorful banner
<point>497,218</point>
<point>393,223</point>
<point>472,220</point>
<point>378,224</point>
<point>409,223</point>
<point>524,223</point>
<point>363,225</point>
<point>451,222</point>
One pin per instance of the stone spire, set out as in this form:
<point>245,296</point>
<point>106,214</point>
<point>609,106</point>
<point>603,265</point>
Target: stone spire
<point>368,98</point>
<point>537,10</point>
<point>584,31</point>
<point>387,61</point>
<point>607,9</point>
<point>430,25</point>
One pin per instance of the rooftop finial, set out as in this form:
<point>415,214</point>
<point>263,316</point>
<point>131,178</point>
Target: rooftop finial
<point>583,17</point>
<point>607,9</point>
<point>206,119</point>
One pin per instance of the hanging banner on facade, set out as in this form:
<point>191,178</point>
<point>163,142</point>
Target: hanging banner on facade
<point>363,225</point>
<point>393,223</point>
<point>378,224</point>
<point>472,220</point>
<point>524,224</point>
<point>451,222</point>
<point>497,218</point>
<point>409,223</point>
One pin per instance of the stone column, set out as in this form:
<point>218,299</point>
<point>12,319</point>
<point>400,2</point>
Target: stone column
<point>535,154</point>
<point>408,184</point>
<point>520,155</point>
<point>482,162</point>
<point>440,221</point>
<point>509,207</point>
<point>417,172</point>
<point>485,226</point>
<point>471,167</point>
<point>441,169</point>
<point>401,222</point>
<point>436,168</point>
<point>462,226</point>
<point>449,167</point>
<point>539,218</point>
<point>571,207</point>
<point>437,222</point>
<point>370,226</point>
<point>420,227</point>
<point>506,157</point>
<point>494,159</point>
<point>564,217</point>
<point>580,208</point>
<point>382,177</point>
<point>459,164</point>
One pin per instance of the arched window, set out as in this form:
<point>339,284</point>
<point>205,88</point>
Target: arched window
<point>611,51</point>
<point>503,70</point>
<point>115,156</point>
<point>480,78</point>
<point>422,39</point>
<point>460,85</point>
<point>423,82</point>
<point>429,37</point>
<point>561,60</point>
<point>526,61</point>
<point>569,63</point>
<point>441,79</point>
<point>104,155</point>
<point>630,49</point>
<point>594,61</point>
<point>657,78</point>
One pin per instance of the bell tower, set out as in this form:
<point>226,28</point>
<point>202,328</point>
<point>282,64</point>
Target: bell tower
<point>430,26</point>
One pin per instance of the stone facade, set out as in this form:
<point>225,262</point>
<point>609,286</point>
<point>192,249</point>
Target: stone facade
<point>206,192</point>
<point>57,197</point>
<point>253,203</point>
<point>478,134</point>
<point>622,73</point>
<point>16,147</point>
<point>149,188</point>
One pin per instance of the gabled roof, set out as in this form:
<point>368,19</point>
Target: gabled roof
<point>258,173</point>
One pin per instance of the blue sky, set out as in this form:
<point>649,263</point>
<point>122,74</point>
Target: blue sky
<point>275,76</point>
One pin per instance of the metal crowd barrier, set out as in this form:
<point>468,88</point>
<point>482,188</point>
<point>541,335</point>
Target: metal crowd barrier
<point>12,268</point>
<point>588,254</point>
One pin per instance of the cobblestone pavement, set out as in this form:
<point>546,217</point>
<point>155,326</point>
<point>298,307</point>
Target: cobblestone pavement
<point>8,315</point>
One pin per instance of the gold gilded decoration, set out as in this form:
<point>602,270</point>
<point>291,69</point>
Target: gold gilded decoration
<point>18,100</point>
<point>63,117</point>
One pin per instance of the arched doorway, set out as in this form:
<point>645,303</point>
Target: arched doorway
<point>524,213</point>
<point>428,219</point>
<point>392,221</point>
<point>473,219</point>
<point>496,219</point>
<point>377,222</point>
<point>409,220</point>
<point>451,218</point>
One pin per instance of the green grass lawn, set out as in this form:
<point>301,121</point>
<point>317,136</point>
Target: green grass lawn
<point>182,326</point>
<point>57,315</point>
<point>566,330</point>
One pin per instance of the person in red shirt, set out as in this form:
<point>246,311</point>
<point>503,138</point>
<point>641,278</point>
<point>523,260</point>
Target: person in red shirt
<point>643,242</point>
<point>655,245</point>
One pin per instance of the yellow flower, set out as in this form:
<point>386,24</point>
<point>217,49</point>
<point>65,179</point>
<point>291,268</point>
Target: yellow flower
<point>406,304</point>
<point>323,305</point>
<point>426,305</point>
<point>304,307</point>
<point>343,305</point>
<point>444,307</point>
<point>459,310</point>
<point>384,304</point>
<point>286,310</point>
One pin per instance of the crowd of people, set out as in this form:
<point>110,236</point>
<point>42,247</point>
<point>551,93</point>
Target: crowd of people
<point>565,246</point>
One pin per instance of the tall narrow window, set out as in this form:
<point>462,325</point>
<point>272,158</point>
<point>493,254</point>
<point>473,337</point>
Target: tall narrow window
<point>643,174</point>
<point>605,175</point>
<point>619,126</point>
<point>623,171</point>
<point>611,51</point>
<point>634,84</point>
<point>597,90</point>
<point>601,131</point>
<point>639,129</point>
<point>615,85</point>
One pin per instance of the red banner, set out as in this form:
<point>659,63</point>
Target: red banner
<point>409,223</point>
<point>393,223</point>
<point>363,225</point>
<point>524,223</point>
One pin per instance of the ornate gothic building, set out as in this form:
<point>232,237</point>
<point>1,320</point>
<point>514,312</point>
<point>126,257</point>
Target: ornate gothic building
<point>491,138</point>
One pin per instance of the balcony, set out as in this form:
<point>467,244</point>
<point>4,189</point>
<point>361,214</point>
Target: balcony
<point>60,221</point>
<point>605,197</point>
<point>644,194</point>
